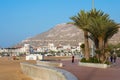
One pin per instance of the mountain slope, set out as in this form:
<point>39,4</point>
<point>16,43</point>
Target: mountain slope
<point>62,34</point>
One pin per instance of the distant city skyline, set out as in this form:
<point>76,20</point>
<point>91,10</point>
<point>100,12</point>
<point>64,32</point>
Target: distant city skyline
<point>20,19</point>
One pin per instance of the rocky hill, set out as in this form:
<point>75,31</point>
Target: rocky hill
<point>62,34</point>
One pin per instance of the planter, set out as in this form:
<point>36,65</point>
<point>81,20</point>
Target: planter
<point>96,65</point>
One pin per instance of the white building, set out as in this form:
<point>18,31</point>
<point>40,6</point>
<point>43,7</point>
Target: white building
<point>52,47</point>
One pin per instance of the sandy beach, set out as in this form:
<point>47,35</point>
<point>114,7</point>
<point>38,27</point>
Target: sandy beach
<point>10,69</point>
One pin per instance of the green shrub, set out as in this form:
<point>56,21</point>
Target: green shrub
<point>82,46</point>
<point>91,60</point>
<point>107,62</point>
<point>96,60</point>
<point>83,60</point>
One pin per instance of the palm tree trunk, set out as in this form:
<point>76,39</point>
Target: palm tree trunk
<point>96,41</point>
<point>101,48</point>
<point>87,52</point>
<point>100,43</point>
<point>106,44</point>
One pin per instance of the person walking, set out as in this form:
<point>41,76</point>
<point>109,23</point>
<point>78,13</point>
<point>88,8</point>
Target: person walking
<point>73,59</point>
<point>114,57</point>
<point>111,58</point>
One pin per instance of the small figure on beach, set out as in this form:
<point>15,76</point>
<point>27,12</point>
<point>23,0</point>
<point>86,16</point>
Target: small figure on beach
<point>73,59</point>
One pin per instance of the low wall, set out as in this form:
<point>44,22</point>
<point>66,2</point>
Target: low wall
<point>47,63</point>
<point>38,72</point>
<point>96,65</point>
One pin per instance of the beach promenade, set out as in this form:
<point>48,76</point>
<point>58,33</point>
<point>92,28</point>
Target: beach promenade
<point>10,70</point>
<point>89,73</point>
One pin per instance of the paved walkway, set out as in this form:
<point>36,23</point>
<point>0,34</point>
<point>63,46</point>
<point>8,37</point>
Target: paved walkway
<point>88,73</point>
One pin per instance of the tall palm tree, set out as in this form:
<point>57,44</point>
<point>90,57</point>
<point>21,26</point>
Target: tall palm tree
<point>81,20</point>
<point>101,27</point>
<point>96,25</point>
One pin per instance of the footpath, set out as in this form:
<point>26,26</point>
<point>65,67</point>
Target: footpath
<point>89,73</point>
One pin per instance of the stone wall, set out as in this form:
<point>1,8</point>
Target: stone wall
<point>39,72</point>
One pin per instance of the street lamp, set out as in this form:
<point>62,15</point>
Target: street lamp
<point>93,4</point>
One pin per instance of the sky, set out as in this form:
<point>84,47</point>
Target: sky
<point>22,19</point>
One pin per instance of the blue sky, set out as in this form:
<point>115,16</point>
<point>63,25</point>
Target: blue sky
<point>21,19</point>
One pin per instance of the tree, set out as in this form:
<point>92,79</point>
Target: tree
<point>101,28</point>
<point>81,20</point>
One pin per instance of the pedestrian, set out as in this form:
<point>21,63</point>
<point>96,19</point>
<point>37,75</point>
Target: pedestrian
<point>114,57</point>
<point>111,58</point>
<point>73,59</point>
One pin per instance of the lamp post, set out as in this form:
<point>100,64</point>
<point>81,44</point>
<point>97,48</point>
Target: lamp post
<point>93,4</point>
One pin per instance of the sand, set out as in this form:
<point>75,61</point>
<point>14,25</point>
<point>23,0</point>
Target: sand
<point>10,69</point>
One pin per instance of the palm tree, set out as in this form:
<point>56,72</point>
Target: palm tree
<point>101,29</point>
<point>81,21</point>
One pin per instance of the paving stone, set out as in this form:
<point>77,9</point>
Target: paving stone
<point>89,73</point>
